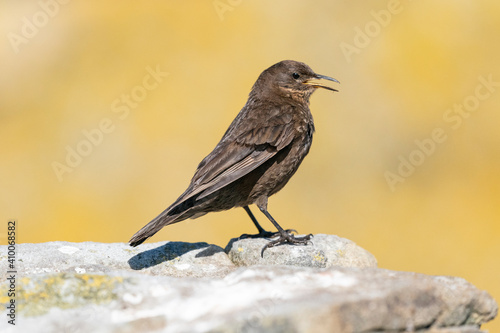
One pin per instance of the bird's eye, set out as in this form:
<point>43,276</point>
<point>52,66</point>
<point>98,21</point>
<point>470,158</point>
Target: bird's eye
<point>295,76</point>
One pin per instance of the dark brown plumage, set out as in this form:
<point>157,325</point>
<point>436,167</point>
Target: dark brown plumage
<point>258,154</point>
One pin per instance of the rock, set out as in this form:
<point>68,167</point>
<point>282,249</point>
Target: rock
<point>323,251</point>
<point>177,259</point>
<point>270,299</point>
<point>92,287</point>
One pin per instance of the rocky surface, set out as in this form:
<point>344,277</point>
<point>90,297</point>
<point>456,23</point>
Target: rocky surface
<point>171,259</point>
<point>197,287</point>
<point>323,251</point>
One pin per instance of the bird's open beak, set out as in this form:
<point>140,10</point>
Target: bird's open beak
<point>316,83</point>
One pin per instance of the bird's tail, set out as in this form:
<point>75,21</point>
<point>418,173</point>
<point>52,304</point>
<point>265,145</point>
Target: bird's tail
<point>165,218</point>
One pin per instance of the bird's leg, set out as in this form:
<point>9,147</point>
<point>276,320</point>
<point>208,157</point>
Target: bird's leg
<point>262,232</point>
<point>284,235</point>
<point>254,220</point>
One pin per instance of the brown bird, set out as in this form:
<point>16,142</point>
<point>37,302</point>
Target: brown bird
<point>258,154</point>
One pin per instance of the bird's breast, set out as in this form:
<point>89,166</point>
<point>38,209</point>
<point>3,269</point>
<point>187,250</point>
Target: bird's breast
<point>275,173</point>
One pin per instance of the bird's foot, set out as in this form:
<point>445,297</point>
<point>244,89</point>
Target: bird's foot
<point>286,237</point>
<point>267,234</point>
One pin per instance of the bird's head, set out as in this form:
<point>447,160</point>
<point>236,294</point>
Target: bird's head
<point>290,79</point>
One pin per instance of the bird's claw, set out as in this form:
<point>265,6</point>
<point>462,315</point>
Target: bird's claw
<point>287,237</point>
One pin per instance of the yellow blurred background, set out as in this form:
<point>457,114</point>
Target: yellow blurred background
<point>81,72</point>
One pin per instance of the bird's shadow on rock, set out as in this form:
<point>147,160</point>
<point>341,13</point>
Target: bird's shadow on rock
<point>170,251</point>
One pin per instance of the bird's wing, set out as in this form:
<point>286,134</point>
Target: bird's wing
<point>242,149</point>
<point>233,159</point>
